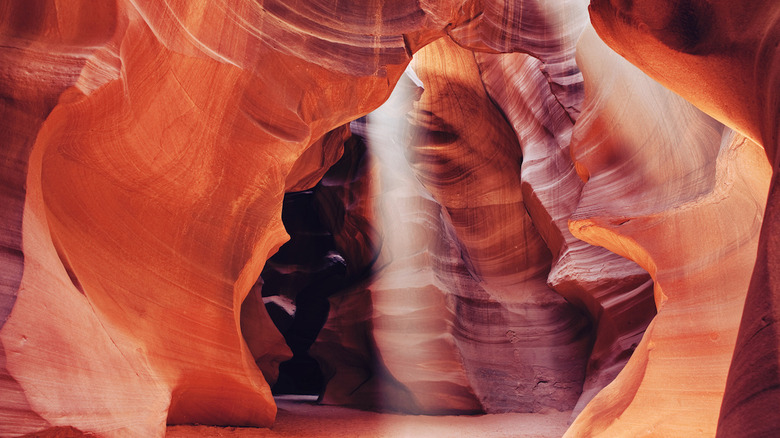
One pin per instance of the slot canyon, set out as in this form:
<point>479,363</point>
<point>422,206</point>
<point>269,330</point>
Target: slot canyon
<point>389,218</point>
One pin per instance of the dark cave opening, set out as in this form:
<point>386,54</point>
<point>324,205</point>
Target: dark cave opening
<point>329,249</point>
<point>332,248</point>
<point>306,270</point>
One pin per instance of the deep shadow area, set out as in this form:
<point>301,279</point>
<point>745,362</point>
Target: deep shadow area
<point>329,248</point>
<point>306,271</point>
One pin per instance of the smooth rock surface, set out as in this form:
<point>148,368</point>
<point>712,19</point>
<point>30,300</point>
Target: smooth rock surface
<point>490,237</point>
<point>722,57</point>
<point>302,419</point>
<point>615,292</point>
<point>698,179</point>
<point>523,346</point>
<point>152,195</point>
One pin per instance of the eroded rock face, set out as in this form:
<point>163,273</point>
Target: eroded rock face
<point>615,292</point>
<point>149,144</point>
<point>697,176</point>
<point>722,57</point>
<point>152,194</point>
<point>523,346</point>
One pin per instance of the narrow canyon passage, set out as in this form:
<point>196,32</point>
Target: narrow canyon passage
<point>439,218</point>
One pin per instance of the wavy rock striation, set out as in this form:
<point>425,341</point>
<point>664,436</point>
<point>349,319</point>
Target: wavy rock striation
<point>152,194</point>
<point>616,293</point>
<point>523,347</point>
<point>148,146</point>
<point>722,57</point>
<point>697,179</point>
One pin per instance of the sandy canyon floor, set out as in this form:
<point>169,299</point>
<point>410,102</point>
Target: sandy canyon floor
<point>299,417</point>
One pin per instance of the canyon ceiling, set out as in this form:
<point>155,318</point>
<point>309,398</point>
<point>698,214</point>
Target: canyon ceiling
<point>492,206</point>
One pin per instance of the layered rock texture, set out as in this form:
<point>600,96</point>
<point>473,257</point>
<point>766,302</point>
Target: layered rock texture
<point>487,208</point>
<point>723,58</point>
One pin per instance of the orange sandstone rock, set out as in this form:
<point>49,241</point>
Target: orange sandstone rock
<point>672,171</point>
<point>153,193</point>
<point>616,293</point>
<point>722,56</point>
<point>148,146</point>
<point>524,348</point>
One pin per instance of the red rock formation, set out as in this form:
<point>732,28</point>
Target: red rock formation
<point>722,56</point>
<point>449,173</point>
<point>672,171</point>
<point>148,146</point>
<point>541,99</point>
<point>52,340</point>
<point>523,347</point>
<point>153,194</point>
<point>471,183</point>
<point>616,293</point>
